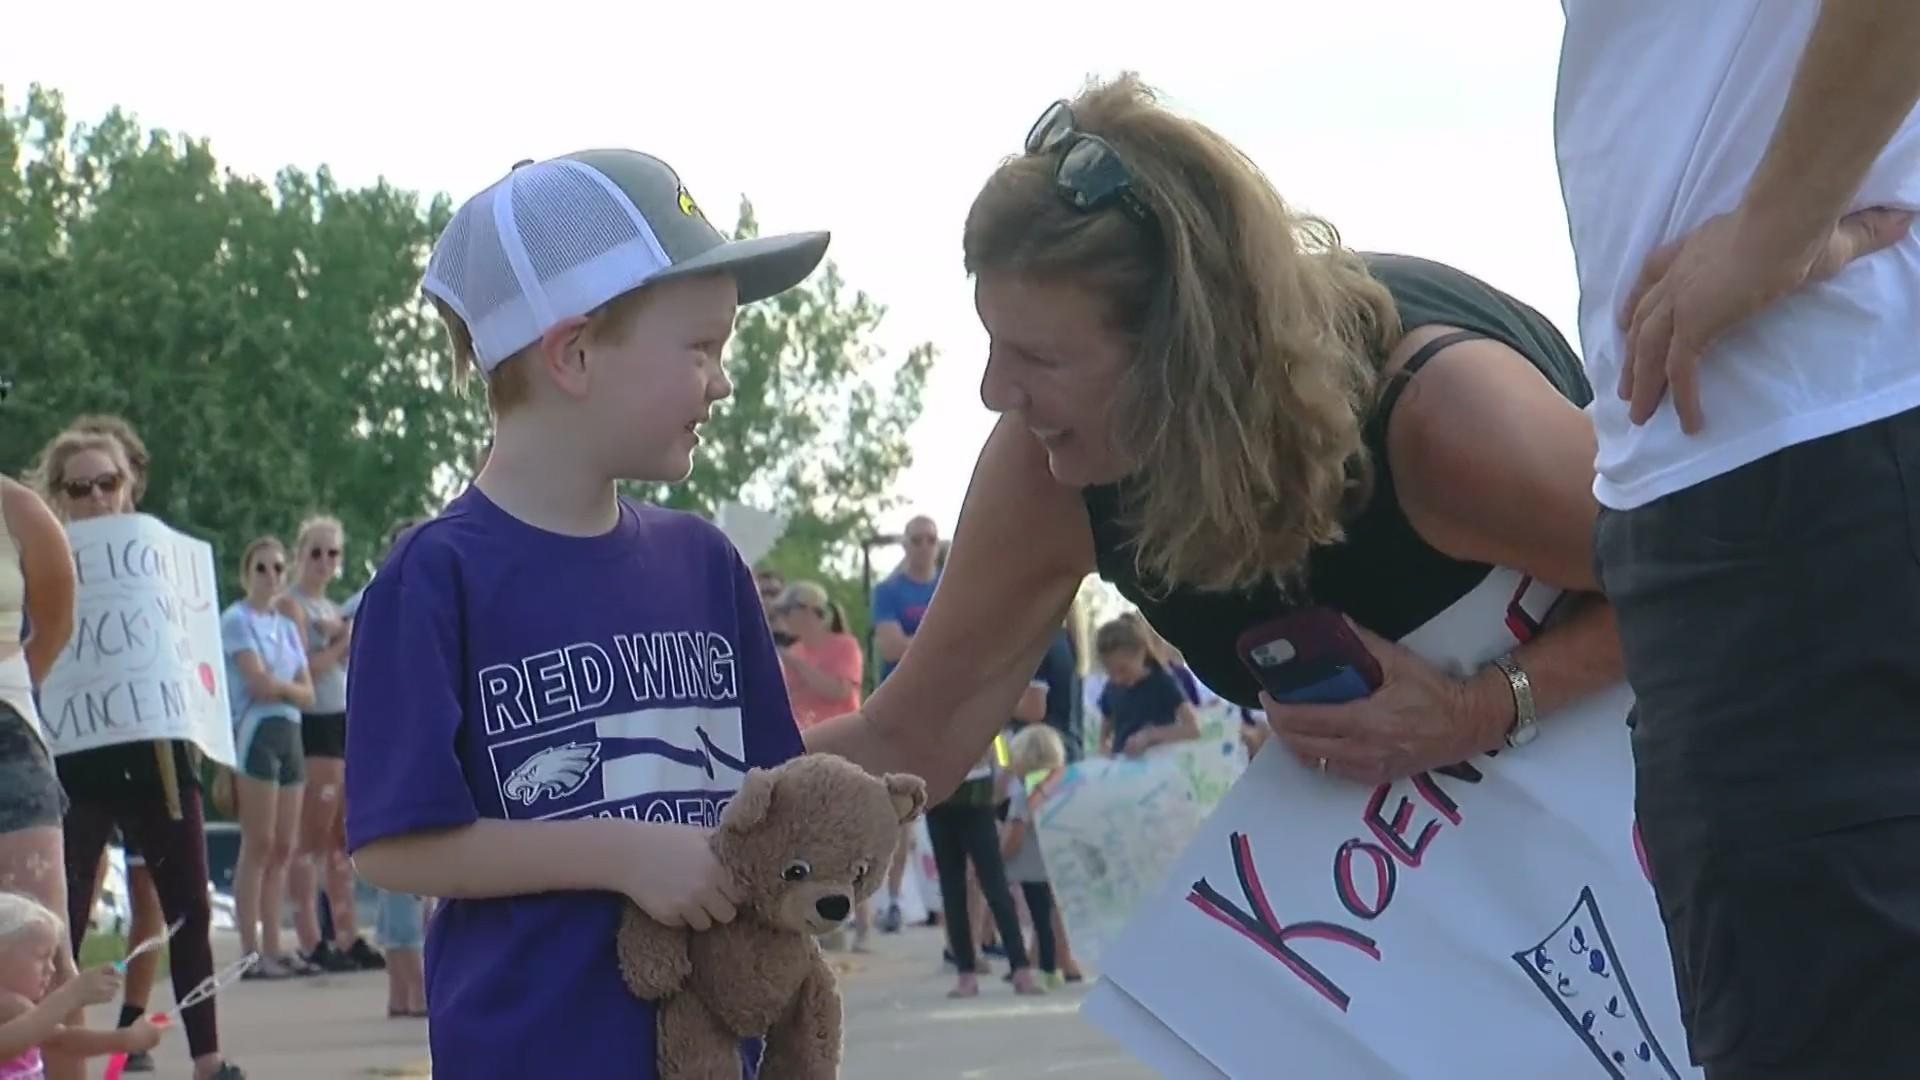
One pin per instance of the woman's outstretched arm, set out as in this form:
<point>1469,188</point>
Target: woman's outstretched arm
<point>1021,549</point>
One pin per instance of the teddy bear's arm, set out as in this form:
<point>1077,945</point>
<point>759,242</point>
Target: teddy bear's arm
<point>653,958</point>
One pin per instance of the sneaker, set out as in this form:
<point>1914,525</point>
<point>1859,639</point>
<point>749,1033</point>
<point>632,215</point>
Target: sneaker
<point>268,967</point>
<point>890,919</point>
<point>1024,984</point>
<point>228,1071</point>
<point>138,1061</point>
<point>325,957</point>
<point>366,957</point>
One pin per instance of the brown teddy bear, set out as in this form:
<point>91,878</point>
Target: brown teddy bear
<point>806,841</point>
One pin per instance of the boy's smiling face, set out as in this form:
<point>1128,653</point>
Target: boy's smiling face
<point>656,373</point>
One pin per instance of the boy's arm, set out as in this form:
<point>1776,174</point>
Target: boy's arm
<point>493,858</point>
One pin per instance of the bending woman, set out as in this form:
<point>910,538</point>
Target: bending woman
<point>1209,401</point>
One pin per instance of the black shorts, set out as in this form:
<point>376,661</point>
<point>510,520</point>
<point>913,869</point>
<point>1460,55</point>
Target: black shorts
<point>30,792</point>
<point>1770,619</point>
<point>324,734</point>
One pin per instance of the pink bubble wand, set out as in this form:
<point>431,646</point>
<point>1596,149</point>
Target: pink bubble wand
<point>208,987</point>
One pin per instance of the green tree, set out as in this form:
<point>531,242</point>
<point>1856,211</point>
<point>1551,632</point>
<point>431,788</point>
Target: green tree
<point>269,343</point>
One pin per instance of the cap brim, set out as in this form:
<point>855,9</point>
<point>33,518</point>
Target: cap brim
<point>762,266</point>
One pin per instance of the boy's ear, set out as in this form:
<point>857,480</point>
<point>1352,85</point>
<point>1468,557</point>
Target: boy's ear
<point>909,794</point>
<point>561,355</point>
<point>751,804</point>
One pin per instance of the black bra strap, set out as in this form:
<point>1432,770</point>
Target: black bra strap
<point>1397,382</point>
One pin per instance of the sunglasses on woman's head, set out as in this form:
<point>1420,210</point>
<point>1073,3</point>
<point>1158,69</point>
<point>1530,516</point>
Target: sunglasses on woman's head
<point>105,484</point>
<point>1090,175</point>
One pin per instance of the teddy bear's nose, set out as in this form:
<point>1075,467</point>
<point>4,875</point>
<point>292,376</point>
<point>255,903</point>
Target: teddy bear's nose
<point>833,907</point>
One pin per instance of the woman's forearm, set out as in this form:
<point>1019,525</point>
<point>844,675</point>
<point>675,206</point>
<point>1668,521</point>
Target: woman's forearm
<point>891,734</point>
<point>1571,658</point>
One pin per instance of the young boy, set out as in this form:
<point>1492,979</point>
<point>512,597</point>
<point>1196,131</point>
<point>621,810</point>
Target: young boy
<point>556,691</point>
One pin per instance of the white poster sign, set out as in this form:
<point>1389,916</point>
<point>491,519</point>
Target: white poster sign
<point>752,530</point>
<point>1488,919</point>
<point>1110,829</point>
<point>145,660</point>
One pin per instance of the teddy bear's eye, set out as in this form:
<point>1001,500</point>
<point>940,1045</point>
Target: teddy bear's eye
<point>797,870</point>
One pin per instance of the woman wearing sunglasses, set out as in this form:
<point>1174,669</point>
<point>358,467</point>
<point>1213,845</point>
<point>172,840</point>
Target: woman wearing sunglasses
<point>1211,403</point>
<point>147,790</point>
<point>269,685</point>
<point>318,549</point>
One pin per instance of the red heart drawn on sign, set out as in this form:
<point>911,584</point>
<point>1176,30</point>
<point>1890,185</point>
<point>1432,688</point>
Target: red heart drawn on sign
<point>206,677</point>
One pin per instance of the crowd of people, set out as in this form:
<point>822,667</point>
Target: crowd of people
<point>1208,401</point>
<point>285,643</point>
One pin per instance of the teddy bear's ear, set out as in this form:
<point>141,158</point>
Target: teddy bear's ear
<point>751,804</point>
<point>909,794</point>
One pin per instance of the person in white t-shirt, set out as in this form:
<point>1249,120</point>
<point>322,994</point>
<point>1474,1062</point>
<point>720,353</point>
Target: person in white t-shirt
<point>1740,178</point>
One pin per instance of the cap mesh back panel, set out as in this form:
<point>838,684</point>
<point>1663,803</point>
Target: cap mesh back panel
<point>470,264</point>
<point>567,219</point>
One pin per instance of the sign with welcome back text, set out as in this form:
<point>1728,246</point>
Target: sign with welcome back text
<point>145,660</point>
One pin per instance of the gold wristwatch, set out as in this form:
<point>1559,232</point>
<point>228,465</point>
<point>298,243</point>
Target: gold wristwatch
<point>1525,725</point>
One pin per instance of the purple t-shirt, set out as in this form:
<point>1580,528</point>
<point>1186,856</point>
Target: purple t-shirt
<point>503,671</point>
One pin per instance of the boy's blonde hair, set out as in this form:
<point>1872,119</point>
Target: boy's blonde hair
<point>1037,748</point>
<point>20,913</point>
<point>511,380</point>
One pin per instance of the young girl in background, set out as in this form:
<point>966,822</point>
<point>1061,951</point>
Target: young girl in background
<point>32,1011</point>
<point>1036,758</point>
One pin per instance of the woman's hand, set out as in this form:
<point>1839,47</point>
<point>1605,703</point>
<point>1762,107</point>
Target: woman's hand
<point>1419,719</point>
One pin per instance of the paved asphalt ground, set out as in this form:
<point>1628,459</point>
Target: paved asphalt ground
<point>899,1020</point>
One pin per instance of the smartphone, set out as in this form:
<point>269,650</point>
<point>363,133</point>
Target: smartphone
<point>1310,656</point>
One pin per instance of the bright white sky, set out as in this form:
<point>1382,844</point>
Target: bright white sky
<point>1414,125</point>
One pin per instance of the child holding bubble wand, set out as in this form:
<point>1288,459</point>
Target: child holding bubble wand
<point>32,1008</point>
<point>208,987</point>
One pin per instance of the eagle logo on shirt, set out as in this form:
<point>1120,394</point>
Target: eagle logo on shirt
<point>553,773</point>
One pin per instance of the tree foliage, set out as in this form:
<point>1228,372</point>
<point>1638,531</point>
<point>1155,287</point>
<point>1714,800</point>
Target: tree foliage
<point>270,344</point>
